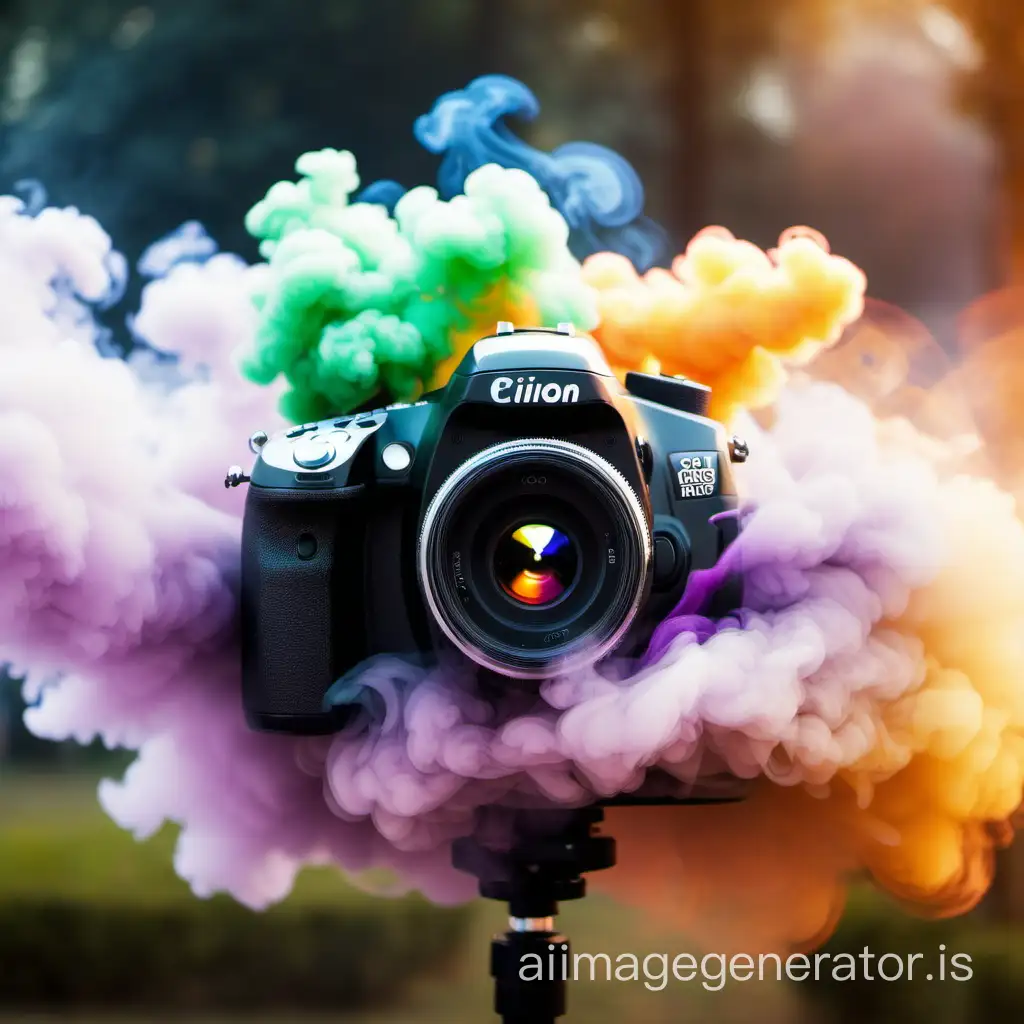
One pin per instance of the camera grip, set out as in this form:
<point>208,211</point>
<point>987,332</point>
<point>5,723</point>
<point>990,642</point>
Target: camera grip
<point>301,603</point>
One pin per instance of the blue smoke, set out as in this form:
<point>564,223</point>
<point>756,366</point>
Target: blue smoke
<point>188,243</point>
<point>384,192</point>
<point>33,194</point>
<point>596,190</point>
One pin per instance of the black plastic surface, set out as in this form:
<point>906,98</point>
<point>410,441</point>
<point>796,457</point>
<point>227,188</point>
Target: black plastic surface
<point>302,566</point>
<point>673,392</point>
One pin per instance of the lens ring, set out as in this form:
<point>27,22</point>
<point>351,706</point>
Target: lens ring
<point>441,584</point>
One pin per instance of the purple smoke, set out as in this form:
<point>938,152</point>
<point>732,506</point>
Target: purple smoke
<point>838,539</point>
<point>118,562</point>
<point>115,573</point>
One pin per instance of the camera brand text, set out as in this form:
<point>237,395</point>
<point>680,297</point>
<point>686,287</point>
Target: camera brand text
<point>530,390</point>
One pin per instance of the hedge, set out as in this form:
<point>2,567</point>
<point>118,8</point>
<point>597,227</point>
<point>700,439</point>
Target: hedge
<point>994,992</point>
<point>92,918</point>
<point>217,955</point>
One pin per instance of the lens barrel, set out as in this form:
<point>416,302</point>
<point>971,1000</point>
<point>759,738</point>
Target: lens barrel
<point>534,557</point>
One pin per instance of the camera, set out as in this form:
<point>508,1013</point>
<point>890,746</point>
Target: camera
<point>534,515</point>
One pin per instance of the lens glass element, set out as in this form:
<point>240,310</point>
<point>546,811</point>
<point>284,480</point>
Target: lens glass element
<point>535,563</point>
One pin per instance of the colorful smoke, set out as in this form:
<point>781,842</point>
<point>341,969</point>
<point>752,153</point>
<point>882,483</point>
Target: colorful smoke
<point>870,689</point>
<point>727,314</point>
<point>918,795</point>
<point>598,193</point>
<point>357,304</point>
<point>119,552</point>
<point>377,294</point>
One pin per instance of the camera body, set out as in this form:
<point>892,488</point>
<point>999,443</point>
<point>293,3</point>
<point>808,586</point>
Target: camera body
<point>534,515</point>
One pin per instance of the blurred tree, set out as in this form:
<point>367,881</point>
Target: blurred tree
<point>149,115</point>
<point>656,80</point>
<point>994,88</point>
<point>687,30</point>
<point>19,748</point>
<point>842,114</point>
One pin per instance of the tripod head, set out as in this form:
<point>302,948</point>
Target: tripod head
<point>545,866</point>
<point>553,850</point>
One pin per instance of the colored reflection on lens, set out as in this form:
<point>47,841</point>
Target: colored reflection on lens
<point>535,564</point>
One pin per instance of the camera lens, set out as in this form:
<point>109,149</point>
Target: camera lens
<point>534,557</point>
<point>535,563</point>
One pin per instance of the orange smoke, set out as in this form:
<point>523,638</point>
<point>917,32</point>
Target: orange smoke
<point>924,811</point>
<point>890,361</point>
<point>505,301</point>
<point>765,875</point>
<point>728,314</point>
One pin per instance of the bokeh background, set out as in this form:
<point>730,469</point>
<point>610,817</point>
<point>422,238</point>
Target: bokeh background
<point>895,127</point>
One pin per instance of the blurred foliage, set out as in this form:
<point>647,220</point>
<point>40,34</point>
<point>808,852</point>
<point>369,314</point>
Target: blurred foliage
<point>56,842</point>
<point>147,115</point>
<point>199,956</point>
<point>995,992</point>
<point>994,89</point>
<point>90,917</point>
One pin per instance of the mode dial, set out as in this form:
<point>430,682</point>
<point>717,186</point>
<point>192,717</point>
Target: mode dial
<point>673,392</point>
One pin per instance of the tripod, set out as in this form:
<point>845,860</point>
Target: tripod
<point>546,866</point>
<point>531,962</point>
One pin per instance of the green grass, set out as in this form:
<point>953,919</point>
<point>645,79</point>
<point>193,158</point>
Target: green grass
<point>995,992</point>
<point>57,845</point>
<point>56,842</point>
<point>91,918</point>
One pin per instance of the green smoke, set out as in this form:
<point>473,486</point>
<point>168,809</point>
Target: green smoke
<point>356,304</point>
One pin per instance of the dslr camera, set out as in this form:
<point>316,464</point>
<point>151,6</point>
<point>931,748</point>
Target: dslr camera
<point>534,515</point>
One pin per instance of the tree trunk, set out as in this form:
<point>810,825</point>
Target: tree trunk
<point>686,23</point>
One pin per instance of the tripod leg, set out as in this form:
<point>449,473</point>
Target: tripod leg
<point>529,964</point>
